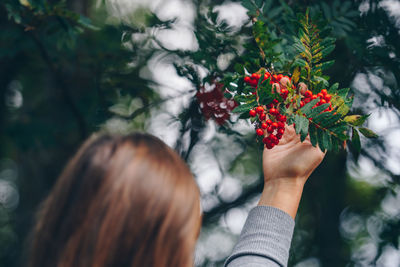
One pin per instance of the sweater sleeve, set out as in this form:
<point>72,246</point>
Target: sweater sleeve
<point>265,239</point>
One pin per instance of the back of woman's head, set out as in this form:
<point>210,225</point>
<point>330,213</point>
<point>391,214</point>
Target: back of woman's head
<point>120,201</point>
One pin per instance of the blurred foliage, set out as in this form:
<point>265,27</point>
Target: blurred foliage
<point>69,68</point>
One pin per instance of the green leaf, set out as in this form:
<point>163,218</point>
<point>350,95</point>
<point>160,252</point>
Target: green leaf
<point>244,98</point>
<point>244,107</point>
<point>306,110</point>
<point>319,79</point>
<point>313,135</point>
<point>321,117</point>
<point>317,110</point>
<point>325,65</point>
<point>343,92</point>
<point>355,140</point>
<point>302,124</point>
<point>300,63</point>
<point>343,109</point>
<point>326,140</point>
<point>320,134</point>
<point>367,132</point>
<point>355,120</point>
<point>330,121</point>
<point>326,51</point>
<point>333,88</point>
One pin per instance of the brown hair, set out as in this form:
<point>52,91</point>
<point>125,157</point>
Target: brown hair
<point>120,201</point>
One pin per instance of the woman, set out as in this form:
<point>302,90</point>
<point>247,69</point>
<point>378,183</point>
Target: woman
<point>131,201</point>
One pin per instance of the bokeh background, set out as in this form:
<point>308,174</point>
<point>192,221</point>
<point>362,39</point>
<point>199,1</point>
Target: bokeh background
<point>70,68</point>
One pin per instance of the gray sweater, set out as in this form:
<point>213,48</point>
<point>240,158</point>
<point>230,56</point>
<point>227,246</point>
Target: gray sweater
<point>265,239</point>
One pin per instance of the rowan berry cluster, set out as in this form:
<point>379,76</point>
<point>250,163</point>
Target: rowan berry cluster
<point>271,123</point>
<point>323,96</point>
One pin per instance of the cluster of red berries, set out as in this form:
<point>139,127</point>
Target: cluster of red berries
<point>274,126</point>
<point>323,96</point>
<point>277,80</point>
<point>270,124</point>
<point>214,104</point>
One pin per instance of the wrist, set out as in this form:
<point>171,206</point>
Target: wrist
<point>283,193</point>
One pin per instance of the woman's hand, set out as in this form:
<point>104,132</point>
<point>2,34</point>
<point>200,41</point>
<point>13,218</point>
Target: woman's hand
<point>286,169</point>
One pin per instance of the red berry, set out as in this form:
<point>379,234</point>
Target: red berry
<point>328,97</point>
<point>275,101</point>
<point>274,125</point>
<point>266,140</point>
<point>273,111</point>
<point>279,136</point>
<point>324,92</point>
<point>307,100</point>
<point>274,139</point>
<point>281,131</point>
<point>270,105</point>
<point>283,118</point>
<point>313,97</point>
<point>269,145</point>
<point>262,116</point>
<point>301,104</point>
<point>308,93</point>
<point>252,113</point>
<point>270,129</point>
<point>260,132</point>
<point>247,79</point>
<point>323,101</point>
<point>264,125</point>
<point>320,95</point>
<point>269,122</point>
<point>259,109</point>
<point>281,125</point>
<point>254,76</point>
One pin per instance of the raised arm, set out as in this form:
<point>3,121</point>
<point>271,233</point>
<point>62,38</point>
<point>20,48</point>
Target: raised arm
<point>267,234</point>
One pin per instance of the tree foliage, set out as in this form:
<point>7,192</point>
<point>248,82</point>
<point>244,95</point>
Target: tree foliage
<point>69,68</point>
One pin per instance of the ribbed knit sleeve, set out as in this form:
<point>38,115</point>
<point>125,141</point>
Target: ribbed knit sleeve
<point>265,239</point>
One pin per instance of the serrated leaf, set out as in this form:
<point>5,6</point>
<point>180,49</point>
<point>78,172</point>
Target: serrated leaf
<point>306,110</point>
<point>313,135</point>
<point>301,126</point>
<point>321,144</point>
<point>244,107</point>
<point>367,132</point>
<point>300,63</point>
<point>340,131</point>
<point>330,121</point>
<point>325,65</point>
<point>326,51</point>
<point>321,117</point>
<point>343,109</point>
<point>355,120</point>
<point>315,111</point>
<point>326,140</point>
